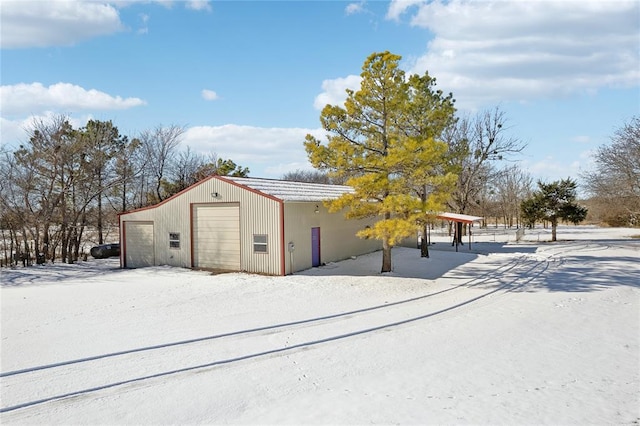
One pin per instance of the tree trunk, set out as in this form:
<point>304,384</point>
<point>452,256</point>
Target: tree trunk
<point>424,247</point>
<point>386,256</point>
<point>424,244</point>
<point>80,232</point>
<point>124,193</point>
<point>70,251</point>
<point>12,237</point>
<point>45,241</point>
<point>554,224</point>
<point>458,233</point>
<point>4,246</point>
<point>27,253</point>
<point>54,247</point>
<point>100,235</point>
<point>64,239</point>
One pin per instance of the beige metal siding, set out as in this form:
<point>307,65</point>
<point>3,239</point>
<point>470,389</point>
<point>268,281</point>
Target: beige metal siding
<point>338,238</point>
<point>216,236</point>
<point>139,247</point>
<point>261,216</point>
<point>258,215</point>
<point>171,217</point>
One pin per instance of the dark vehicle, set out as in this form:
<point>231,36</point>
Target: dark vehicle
<point>104,251</point>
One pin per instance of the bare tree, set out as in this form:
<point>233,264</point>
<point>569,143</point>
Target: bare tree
<point>184,171</point>
<point>614,185</point>
<point>53,185</point>
<point>512,186</point>
<point>40,182</point>
<point>475,144</point>
<point>12,209</point>
<point>311,176</point>
<point>160,146</point>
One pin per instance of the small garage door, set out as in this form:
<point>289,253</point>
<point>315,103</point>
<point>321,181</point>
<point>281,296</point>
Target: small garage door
<point>139,250</point>
<point>216,233</point>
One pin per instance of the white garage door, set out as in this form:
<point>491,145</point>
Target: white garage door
<point>139,250</point>
<point>216,231</point>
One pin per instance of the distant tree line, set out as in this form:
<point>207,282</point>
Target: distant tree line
<point>61,190</point>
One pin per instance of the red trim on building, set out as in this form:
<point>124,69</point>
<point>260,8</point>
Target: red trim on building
<point>283,248</point>
<point>123,244</point>
<point>191,232</point>
<point>166,200</point>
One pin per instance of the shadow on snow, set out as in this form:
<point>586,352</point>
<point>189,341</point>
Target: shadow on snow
<point>57,272</point>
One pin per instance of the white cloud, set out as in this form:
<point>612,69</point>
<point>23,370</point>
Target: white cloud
<point>144,21</point>
<point>278,170</point>
<point>551,168</point>
<point>36,23</point>
<point>39,23</point>
<point>582,139</point>
<point>15,132</point>
<point>209,95</point>
<point>353,8</point>
<point>199,5</point>
<point>36,98</point>
<point>334,91</point>
<point>398,7</point>
<point>486,52</point>
<point>268,152</point>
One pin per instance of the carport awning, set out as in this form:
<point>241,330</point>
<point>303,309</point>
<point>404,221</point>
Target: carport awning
<point>457,217</point>
<point>460,218</point>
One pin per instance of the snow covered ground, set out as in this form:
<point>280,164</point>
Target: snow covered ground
<point>505,333</point>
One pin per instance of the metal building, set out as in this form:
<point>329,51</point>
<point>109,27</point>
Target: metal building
<point>243,224</point>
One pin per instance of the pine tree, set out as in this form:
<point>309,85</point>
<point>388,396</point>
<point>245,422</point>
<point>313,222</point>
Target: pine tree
<point>379,141</point>
<point>554,201</point>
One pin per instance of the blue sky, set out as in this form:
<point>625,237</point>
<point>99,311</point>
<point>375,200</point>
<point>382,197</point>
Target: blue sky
<point>248,79</point>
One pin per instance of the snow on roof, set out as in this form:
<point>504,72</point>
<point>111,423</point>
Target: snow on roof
<point>293,191</point>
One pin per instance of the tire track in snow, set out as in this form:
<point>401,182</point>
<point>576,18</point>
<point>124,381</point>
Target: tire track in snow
<point>251,344</point>
<point>477,281</point>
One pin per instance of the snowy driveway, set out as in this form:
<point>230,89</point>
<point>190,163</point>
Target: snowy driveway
<point>527,334</point>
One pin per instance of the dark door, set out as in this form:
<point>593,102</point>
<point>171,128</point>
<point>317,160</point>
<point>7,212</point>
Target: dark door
<point>315,246</point>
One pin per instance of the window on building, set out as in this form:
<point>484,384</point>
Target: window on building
<point>174,240</point>
<point>259,243</point>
